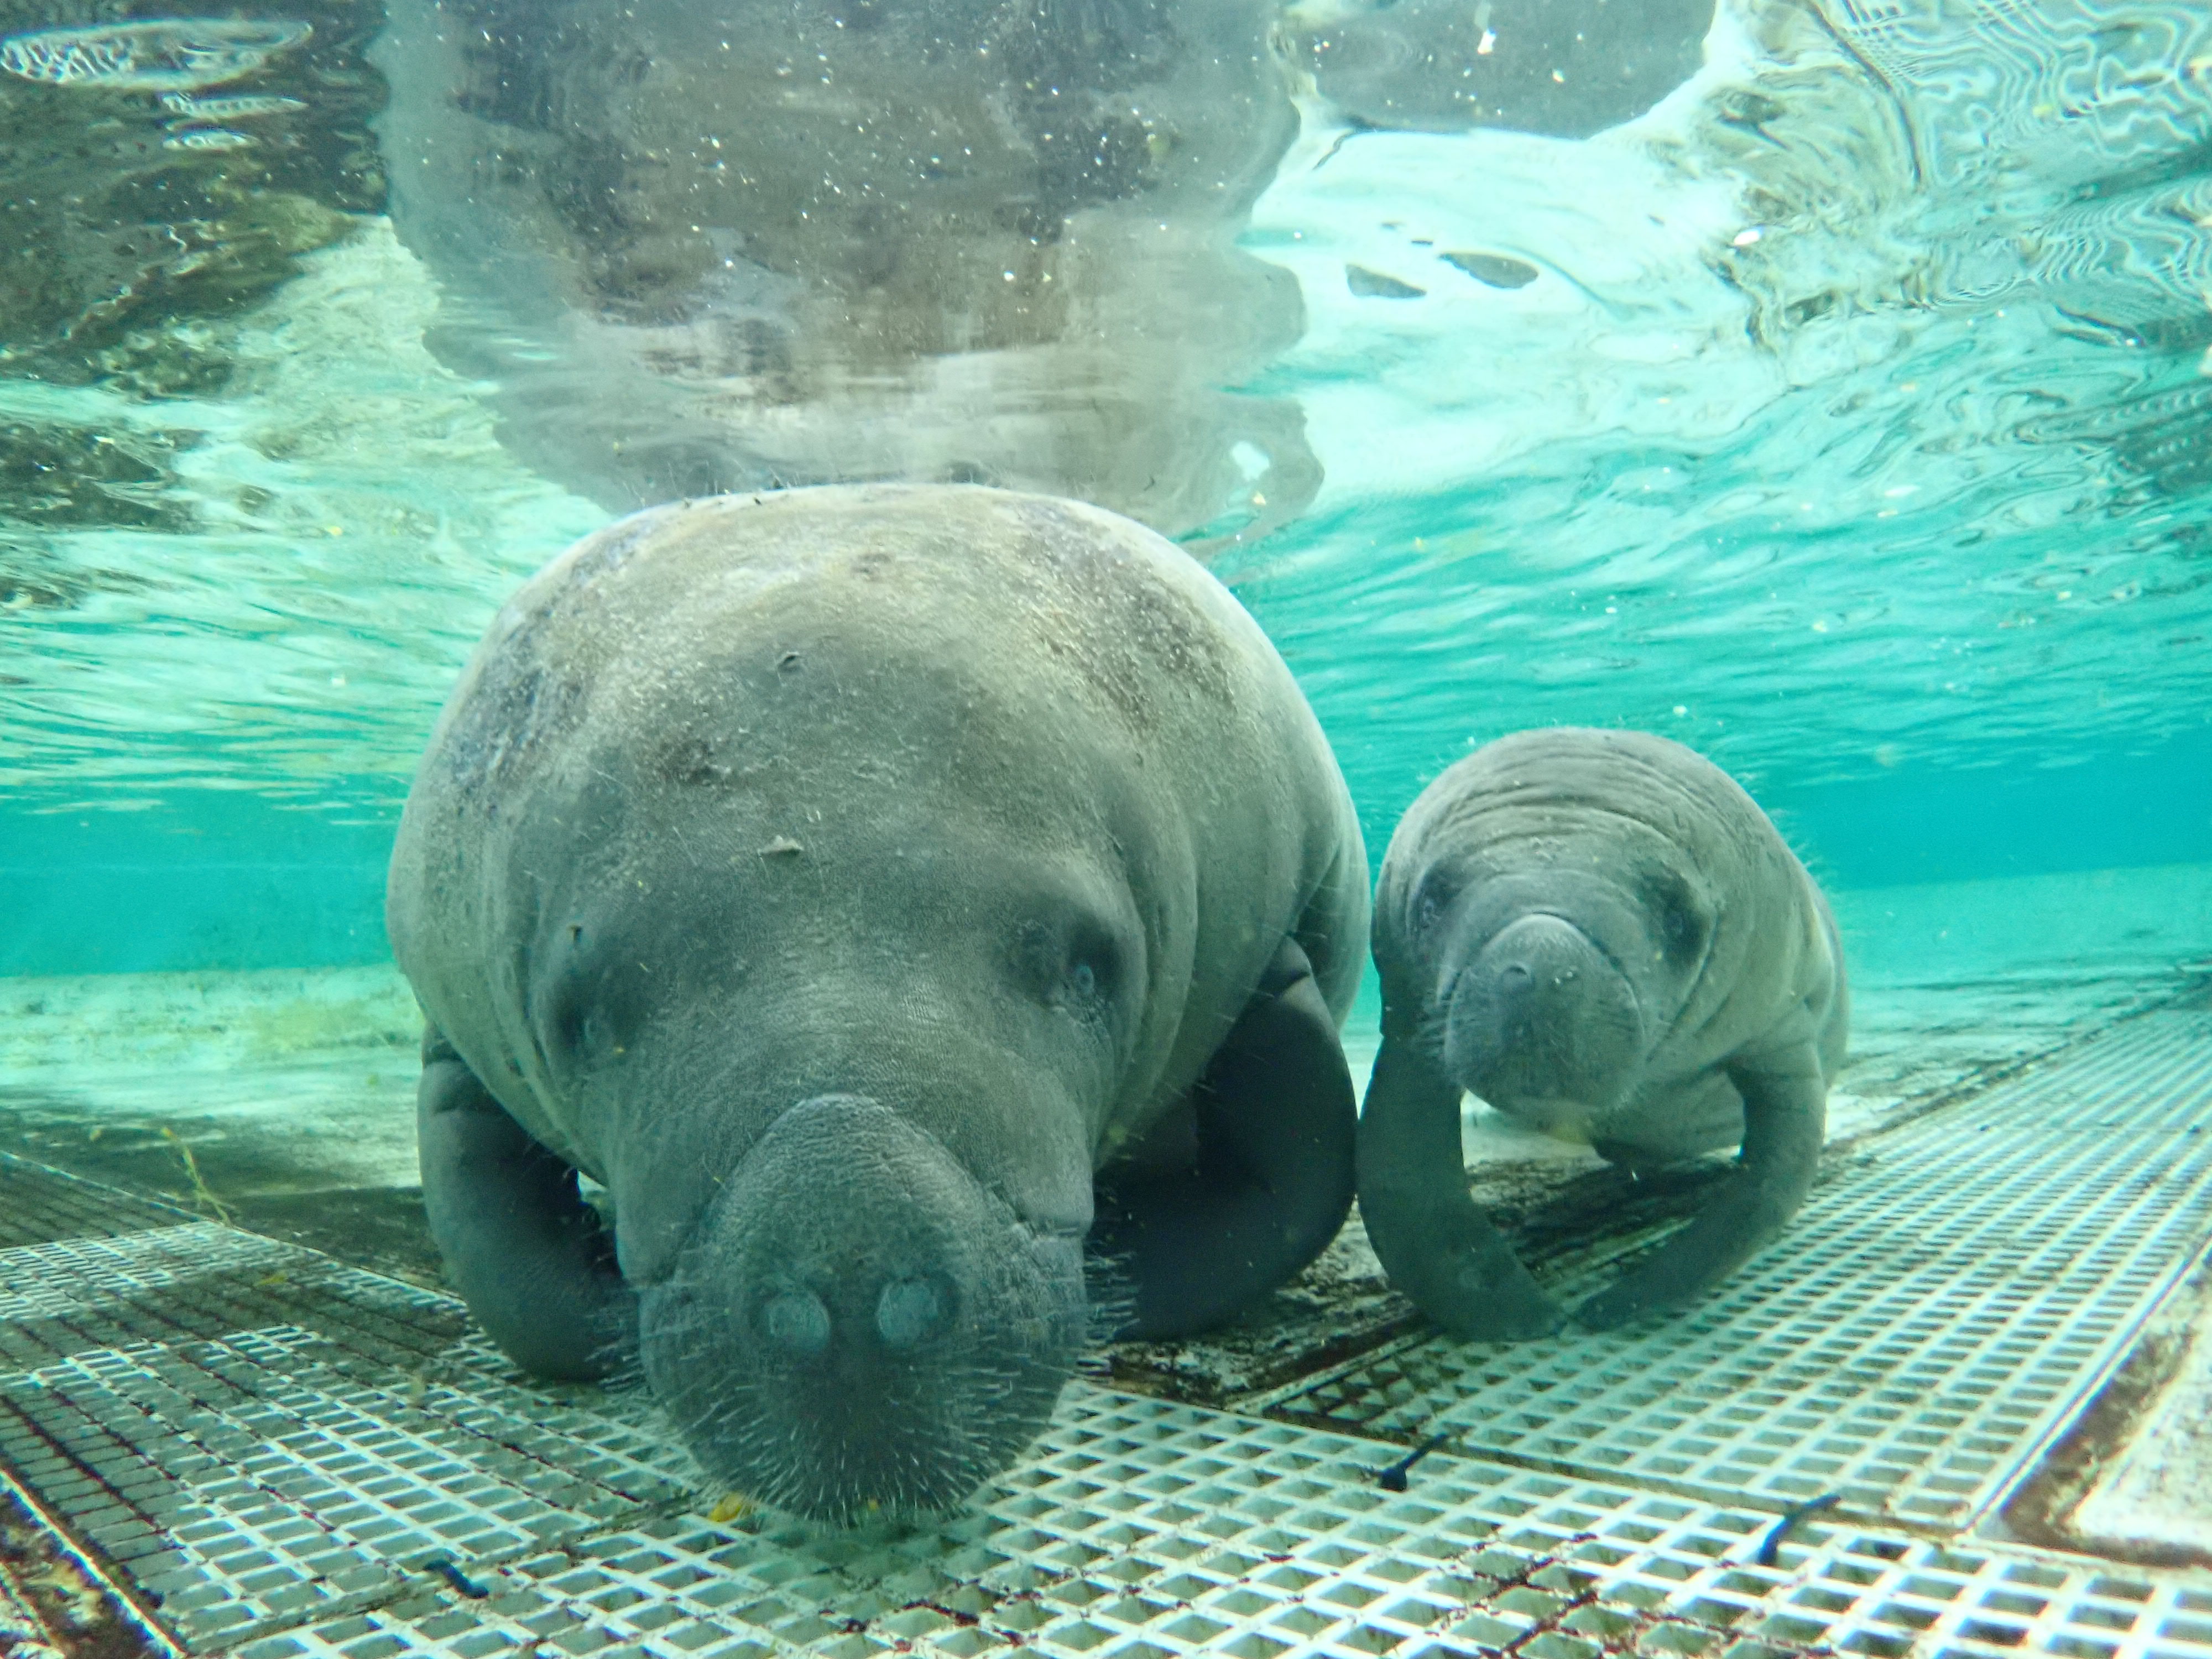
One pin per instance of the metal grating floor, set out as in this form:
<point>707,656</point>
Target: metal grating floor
<point>1909,1354</point>
<point>266,1448</point>
<point>1145,1529</point>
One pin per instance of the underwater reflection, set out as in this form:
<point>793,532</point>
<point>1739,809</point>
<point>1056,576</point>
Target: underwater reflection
<point>708,248</point>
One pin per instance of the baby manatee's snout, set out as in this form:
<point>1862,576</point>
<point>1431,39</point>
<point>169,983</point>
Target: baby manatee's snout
<point>860,1324</point>
<point>1541,1024</point>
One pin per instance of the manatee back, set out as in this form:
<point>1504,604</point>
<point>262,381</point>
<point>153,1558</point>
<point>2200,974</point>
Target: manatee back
<point>1044,655</point>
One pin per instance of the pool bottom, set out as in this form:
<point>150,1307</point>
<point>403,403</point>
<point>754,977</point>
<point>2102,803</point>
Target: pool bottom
<point>269,1435</point>
<point>270,1453</point>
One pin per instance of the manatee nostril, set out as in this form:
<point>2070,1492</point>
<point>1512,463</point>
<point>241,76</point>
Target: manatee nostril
<point>907,1312</point>
<point>796,1319</point>
<point>1517,975</point>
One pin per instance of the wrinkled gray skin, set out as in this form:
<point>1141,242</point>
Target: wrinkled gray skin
<point>1599,934</point>
<point>878,889</point>
<point>726,245</point>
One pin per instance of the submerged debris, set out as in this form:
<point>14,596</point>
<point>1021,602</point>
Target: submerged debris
<point>453,1575</point>
<point>1375,285</point>
<point>1393,1478</point>
<point>1498,270</point>
<point>50,1604</point>
<point>59,475</point>
<point>202,1192</point>
<point>169,54</point>
<point>1770,1547</point>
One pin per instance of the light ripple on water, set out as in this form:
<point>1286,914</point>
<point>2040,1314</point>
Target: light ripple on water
<point>167,54</point>
<point>1815,463</point>
<point>1906,478</point>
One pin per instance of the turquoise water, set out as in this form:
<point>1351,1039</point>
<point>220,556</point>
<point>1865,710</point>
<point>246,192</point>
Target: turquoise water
<point>1853,426</point>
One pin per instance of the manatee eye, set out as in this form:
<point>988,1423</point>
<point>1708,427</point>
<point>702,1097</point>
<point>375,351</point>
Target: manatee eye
<point>595,1036</point>
<point>1685,934</point>
<point>1679,923</point>
<point>1432,898</point>
<point>1094,971</point>
<point>586,1007</point>
<point>562,998</point>
<point>1069,967</point>
<point>574,1030</point>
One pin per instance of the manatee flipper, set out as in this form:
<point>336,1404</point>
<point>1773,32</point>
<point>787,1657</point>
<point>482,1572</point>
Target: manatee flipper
<point>526,1253</point>
<point>1785,1119</point>
<point>1433,1239</point>
<point>1272,1176</point>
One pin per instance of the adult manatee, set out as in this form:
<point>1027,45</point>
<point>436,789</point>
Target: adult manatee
<point>1599,934</point>
<point>877,890</point>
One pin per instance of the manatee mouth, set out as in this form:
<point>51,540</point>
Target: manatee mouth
<point>860,1326</point>
<point>1541,1023</point>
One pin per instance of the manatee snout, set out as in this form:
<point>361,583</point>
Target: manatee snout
<point>860,1324</point>
<point>1539,1022</point>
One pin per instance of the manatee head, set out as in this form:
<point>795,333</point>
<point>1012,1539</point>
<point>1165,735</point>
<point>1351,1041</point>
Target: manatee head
<point>1553,985</point>
<point>845,1081</point>
<point>859,1323</point>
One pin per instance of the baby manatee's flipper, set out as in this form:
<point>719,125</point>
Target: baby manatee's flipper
<point>1270,1181</point>
<point>1785,1115</point>
<point>1435,1243</point>
<point>526,1253</point>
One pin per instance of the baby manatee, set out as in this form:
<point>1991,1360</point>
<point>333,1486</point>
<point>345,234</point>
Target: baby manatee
<point>1599,934</point>
<point>888,894</point>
